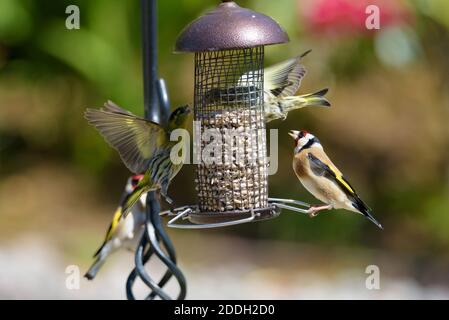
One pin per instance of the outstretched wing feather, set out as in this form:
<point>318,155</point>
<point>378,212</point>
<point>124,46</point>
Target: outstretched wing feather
<point>135,138</point>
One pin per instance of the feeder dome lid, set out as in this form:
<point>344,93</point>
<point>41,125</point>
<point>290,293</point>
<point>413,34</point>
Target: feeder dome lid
<point>230,26</point>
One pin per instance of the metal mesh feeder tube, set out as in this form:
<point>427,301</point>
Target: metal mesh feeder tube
<point>234,177</point>
<point>232,174</point>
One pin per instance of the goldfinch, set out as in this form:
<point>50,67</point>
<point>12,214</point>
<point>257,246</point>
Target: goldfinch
<point>322,178</point>
<point>144,146</point>
<point>122,232</point>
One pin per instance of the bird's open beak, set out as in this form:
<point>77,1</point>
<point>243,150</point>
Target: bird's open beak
<point>371,218</point>
<point>293,133</point>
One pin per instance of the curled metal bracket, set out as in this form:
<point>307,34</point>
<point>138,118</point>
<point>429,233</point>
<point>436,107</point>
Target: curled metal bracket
<point>152,239</point>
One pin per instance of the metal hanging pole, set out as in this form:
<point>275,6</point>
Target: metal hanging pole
<point>149,59</point>
<point>157,106</point>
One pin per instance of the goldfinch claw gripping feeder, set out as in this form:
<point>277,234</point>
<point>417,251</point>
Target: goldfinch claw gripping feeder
<point>228,44</point>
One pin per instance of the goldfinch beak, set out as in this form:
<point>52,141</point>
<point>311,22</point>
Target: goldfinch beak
<point>371,218</point>
<point>293,133</point>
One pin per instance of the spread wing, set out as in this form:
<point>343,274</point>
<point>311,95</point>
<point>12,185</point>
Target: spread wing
<point>319,168</point>
<point>282,79</point>
<point>135,138</point>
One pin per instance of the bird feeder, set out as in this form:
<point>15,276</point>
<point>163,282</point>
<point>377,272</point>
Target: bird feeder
<point>232,171</point>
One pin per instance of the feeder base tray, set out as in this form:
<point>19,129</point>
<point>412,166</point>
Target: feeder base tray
<point>214,217</point>
<point>203,220</point>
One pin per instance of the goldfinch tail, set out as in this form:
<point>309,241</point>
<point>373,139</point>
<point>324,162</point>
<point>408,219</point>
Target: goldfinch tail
<point>93,270</point>
<point>365,210</point>
<point>316,99</point>
<point>372,219</point>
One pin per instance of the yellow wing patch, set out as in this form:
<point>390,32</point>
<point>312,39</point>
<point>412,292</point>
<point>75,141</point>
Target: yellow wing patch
<point>114,223</point>
<point>329,171</point>
<point>342,180</point>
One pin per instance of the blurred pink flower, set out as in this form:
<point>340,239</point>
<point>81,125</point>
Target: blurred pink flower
<point>347,17</point>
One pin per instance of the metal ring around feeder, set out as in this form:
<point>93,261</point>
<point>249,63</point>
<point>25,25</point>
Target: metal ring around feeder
<point>201,220</point>
<point>229,216</point>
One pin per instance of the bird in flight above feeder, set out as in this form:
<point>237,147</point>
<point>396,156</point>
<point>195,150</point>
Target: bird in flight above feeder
<point>281,82</point>
<point>322,178</point>
<point>122,232</point>
<point>143,145</point>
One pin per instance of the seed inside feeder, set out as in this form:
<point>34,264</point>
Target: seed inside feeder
<point>232,174</point>
<point>234,177</point>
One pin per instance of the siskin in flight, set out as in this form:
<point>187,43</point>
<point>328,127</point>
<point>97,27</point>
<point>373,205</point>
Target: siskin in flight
<point>281,82</point>
<point>322,178</point>
<point>122,232</point>
<point>143,145</point>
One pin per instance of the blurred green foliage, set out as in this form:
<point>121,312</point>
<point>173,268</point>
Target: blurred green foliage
<point>386,130</point>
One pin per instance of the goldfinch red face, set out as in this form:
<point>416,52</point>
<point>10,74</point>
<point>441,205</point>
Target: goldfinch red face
<point>302,139</point>
<point>132,182</point>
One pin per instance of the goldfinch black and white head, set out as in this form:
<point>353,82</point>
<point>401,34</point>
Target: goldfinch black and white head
<point>322,178</point>
<point>304,140</point>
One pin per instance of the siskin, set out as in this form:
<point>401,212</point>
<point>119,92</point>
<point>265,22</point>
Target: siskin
<point>281,82</point>
<point>144,146</point>
<point>322,178</point>
<point>122,232</point>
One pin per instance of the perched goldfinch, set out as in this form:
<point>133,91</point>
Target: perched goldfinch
<point>322,178</point>
<point>144,146</point>
<point>123,232</point>
<point>281,82</point>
